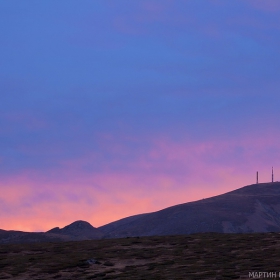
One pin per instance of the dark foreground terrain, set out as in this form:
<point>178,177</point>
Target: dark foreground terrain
<point>196,256</point>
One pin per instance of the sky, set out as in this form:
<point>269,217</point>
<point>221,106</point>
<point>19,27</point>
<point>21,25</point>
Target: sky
<point>114,108</point>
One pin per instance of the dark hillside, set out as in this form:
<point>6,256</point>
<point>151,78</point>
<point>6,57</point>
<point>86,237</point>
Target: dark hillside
<point>254,208</point>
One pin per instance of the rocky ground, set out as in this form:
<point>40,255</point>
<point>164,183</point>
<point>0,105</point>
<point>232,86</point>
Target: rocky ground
<point>196,256</point>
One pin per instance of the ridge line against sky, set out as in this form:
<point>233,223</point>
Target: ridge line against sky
<point>115,108</point>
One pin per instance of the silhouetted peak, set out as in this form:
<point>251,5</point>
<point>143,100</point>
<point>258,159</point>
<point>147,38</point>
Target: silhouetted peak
<point>79,225</point>
<point>54,230</point>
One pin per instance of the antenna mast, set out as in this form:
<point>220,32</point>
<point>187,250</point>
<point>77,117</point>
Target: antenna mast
<point>257,177</point>
<point>272,174</point>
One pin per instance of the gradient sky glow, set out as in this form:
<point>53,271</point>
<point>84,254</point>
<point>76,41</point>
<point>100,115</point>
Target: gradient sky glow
<point>114,108</point>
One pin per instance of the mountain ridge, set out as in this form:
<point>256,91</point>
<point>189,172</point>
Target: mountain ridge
<point>252,208</point>
<point>79,230</point>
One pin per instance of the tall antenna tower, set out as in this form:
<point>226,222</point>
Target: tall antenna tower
<point>272,175</point>
<point>257,177</point>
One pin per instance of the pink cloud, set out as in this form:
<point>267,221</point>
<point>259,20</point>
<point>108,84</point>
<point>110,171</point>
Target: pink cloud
<point>124,196</point>
<point>165,174</point>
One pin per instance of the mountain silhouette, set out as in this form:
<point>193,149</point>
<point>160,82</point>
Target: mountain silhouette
<point>253,208</point>
<point>78,230</point>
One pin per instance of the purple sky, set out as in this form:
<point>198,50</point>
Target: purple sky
<point>113,108</point>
